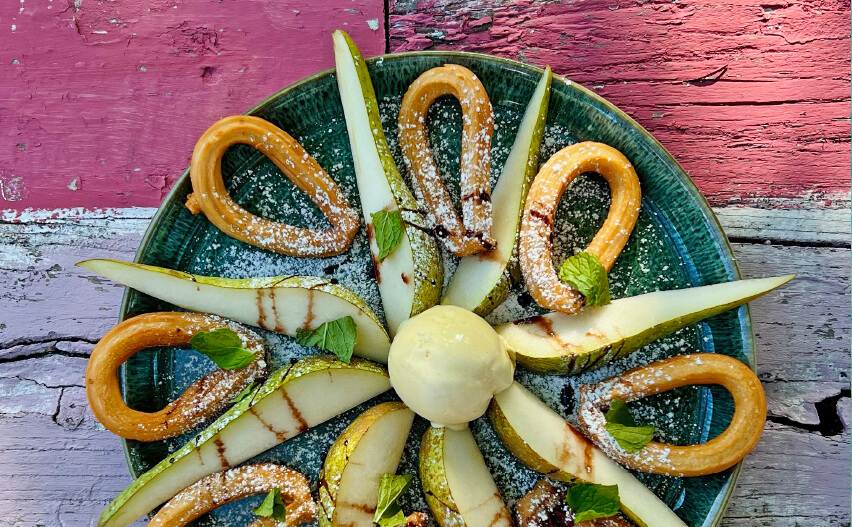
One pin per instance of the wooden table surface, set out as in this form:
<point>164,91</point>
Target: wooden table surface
<point>101,102</point>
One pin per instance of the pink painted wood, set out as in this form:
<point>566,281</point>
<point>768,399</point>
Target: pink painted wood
<point>752,98</point>
<point>102,101</point>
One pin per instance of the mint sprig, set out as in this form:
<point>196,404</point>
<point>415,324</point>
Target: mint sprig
<point>387,229</point>
<point>272,505</point>
<point>388,511</point>
<point>223,347</point>
<point>622,427</point>
<point>585,273</point>
<point>619,413</point>
<point>337,336</point>
<point>590,501</point>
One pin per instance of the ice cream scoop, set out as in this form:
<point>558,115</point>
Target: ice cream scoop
<point>447,363</point>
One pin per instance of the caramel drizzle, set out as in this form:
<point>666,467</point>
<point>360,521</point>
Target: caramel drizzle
<point>309,317</point>
<point>220,449</point>
<point>262,312</point>
<point>297,415</point>
<point>280,435</point>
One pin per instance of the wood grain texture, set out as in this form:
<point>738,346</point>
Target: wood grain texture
<point>61,468</point>
<point>769,127</point>
<point>102,101</point>
<point>795,226</point>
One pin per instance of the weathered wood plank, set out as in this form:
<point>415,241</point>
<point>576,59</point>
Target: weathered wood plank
<point>802,226</point>
<point>775,124</point>
<point>56,476</point>
<point>772,122</point>
<point>793,479</point>
<point>102,102</point>
<point>60,469</point>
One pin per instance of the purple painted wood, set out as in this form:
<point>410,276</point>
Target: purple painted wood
<point>60,468</point>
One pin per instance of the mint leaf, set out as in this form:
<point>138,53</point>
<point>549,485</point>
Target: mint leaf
<point>272,505</point>
<point>590,501</point>
<point>337,336</point>
<point>247,392</point>
<point>622,427</point>
<point>387,229</point>
<point>388,511</point>
<point>393,517</point>
<point>223,347</point>
<point>630,438</point>
<point>619,413</point>
<point>585,273</point>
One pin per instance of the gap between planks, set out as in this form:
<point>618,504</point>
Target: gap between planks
<point>785,226</point>
<point>44,419</point>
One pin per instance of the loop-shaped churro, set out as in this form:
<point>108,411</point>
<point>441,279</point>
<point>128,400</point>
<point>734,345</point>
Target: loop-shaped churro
<point>717,454</point>
<point>202,400</point>
<point>211,197</point>
<point>472,233</point>
<point>218,489</point>
<point>536,237</point>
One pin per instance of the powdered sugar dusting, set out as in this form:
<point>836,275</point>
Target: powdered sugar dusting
<point>648,263</point>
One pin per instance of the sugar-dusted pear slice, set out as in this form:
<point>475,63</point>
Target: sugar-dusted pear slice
<point>481,281</point>
<point>546,443</point>
<point>294,399</point>
<point>409,278</point>
<point>279,303</point>
<point>369,447</point>
<point>458,486</point>
<point>569,344</point>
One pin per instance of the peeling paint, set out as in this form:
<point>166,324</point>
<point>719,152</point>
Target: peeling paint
<point>69,67</point>
<point>744,137</point>
<point>12,188</point>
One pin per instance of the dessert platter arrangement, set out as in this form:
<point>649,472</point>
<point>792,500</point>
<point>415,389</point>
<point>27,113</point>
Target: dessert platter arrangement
<point>530,321</point>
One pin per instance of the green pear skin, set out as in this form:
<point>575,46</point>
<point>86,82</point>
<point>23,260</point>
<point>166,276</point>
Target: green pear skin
<point>410,278</point>
<point>368,448</point>
<point>283,304</point>
<point>293,399</point>
<point>571,344</point>
<point>482,281</point>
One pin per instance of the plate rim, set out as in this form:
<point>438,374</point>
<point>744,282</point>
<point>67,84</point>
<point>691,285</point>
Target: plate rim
<point>718,234</point>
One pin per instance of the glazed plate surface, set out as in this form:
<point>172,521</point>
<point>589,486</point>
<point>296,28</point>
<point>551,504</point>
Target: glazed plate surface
<point>677,243</point>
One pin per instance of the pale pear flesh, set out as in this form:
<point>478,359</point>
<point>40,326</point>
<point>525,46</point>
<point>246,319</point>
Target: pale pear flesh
<point>410,277</point>
<point>481,282</point>
<point>369,447</point>
<point>294,399</point>
<point>570,344</point>
<point>459,487</point>
<point>281,304</point>
<point>546,443</point>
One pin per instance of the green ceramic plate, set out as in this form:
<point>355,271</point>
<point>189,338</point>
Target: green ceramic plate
<point>677,243</point>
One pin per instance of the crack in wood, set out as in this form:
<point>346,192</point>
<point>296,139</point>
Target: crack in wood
<point>46,353</point>
<point>830,424</point>
<point>710,78</point>
<point>791,243</point>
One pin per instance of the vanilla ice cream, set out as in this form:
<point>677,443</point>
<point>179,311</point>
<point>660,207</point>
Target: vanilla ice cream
<point>447,363</point>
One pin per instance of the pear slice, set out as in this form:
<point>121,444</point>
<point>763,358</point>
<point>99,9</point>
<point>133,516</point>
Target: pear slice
<point>458,486</point>
<point>570,344</point>
<point>295,398</point>
<point>482,281</point>
<point>281,303</point>
<point>369,447</point>
<point>409,278</point>
<point>544,442</point>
